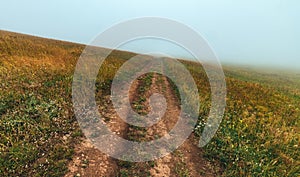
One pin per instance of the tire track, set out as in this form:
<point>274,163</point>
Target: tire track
<point>87,159</point>
<point>187,160</point>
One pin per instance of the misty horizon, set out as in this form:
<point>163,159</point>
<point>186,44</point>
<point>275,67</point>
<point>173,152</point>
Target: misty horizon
<point>254,33</point>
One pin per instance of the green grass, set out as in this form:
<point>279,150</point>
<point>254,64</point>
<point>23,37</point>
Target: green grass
<point>259,134</point>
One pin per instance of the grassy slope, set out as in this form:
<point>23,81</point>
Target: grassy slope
<point>285,81</point>
<point>35,105</point>
<point>259,134</point>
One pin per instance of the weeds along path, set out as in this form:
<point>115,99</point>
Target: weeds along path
<point>186,161</point>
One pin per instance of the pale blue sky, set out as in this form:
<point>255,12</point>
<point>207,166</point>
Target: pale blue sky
<point>255,32</point>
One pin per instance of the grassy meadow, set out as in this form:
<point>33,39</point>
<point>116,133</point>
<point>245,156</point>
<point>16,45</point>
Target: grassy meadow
<point>259,134</point>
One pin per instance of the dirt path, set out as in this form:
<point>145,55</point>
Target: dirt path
<point>187,160</point>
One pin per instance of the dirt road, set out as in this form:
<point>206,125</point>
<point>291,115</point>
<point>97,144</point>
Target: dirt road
<point>187,160</point>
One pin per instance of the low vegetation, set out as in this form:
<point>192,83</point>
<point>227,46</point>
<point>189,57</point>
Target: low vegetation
<point>259,134</point>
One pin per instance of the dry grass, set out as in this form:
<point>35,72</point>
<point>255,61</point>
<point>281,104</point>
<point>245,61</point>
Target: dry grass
<point>259,135</point>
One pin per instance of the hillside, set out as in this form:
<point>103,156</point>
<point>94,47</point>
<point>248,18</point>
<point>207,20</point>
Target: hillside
<point>39,134</point>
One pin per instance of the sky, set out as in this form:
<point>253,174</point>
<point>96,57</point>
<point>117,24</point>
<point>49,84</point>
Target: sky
<point>247,32</point>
